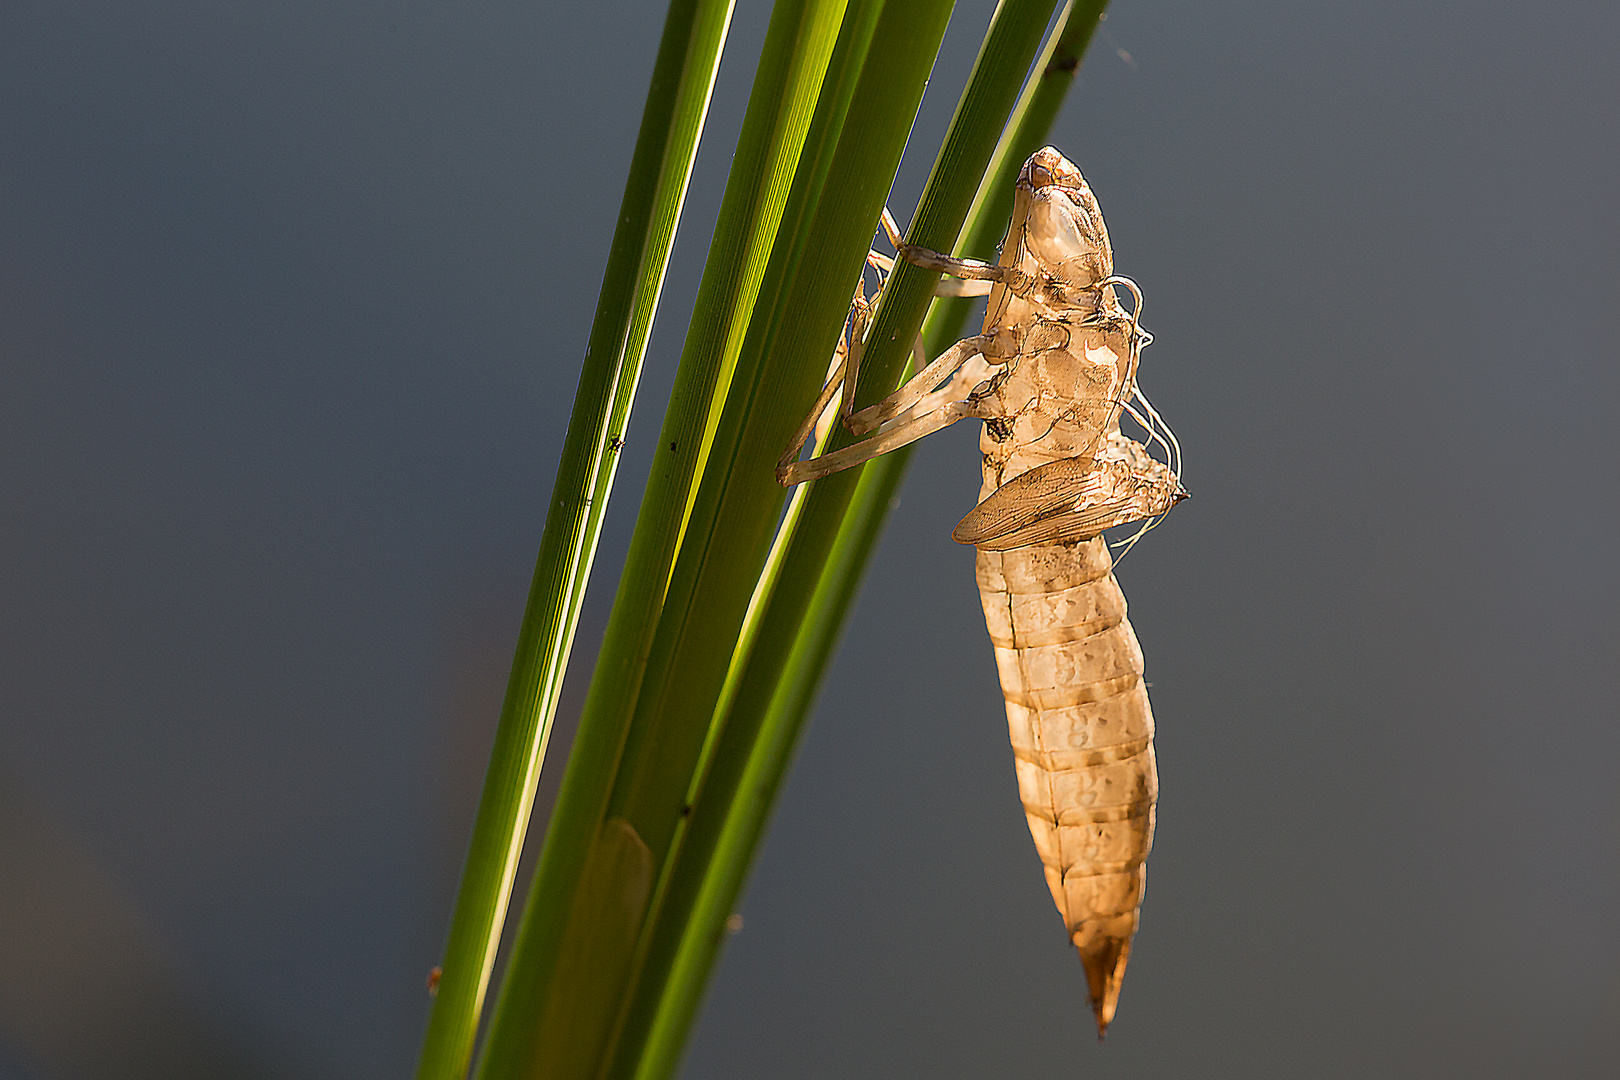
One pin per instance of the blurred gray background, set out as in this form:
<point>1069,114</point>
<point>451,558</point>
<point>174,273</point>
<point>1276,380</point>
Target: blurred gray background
<point>292,299</point>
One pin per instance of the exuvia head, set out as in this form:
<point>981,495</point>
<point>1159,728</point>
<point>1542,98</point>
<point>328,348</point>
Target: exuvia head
<point>1064,230</point>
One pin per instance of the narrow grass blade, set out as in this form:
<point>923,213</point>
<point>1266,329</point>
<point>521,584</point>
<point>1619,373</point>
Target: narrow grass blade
<point>797,627</point>
<point>623,795</point>
<point>677,103</point>
<point>798,340</point>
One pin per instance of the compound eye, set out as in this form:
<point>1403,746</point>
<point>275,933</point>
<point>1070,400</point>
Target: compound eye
<point>1059,236</point>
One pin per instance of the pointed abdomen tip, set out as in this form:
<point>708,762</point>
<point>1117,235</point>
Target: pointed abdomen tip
<point>1104,960</point>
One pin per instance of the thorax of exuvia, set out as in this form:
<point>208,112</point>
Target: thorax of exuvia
<point>1059,392</point>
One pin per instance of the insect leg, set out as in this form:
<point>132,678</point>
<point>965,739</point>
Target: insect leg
<point>979,283</point>
<point>909,431</point>
<point>940,410</point>
<point>915,389</point>
<point>974,269</point>
<point>852,363</point>
<point>839,377</point>
<point>947,287</point>
<point>845,371</point>
<point>956,287</point>
<point>963,383</point>
<point>857,346</point>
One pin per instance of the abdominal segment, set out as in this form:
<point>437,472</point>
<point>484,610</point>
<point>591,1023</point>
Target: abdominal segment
<point>1082,738</point>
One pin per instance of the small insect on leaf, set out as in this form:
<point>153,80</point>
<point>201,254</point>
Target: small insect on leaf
<point>1052,374</point>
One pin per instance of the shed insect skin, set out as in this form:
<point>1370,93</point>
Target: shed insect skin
<point>1050,374</point>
